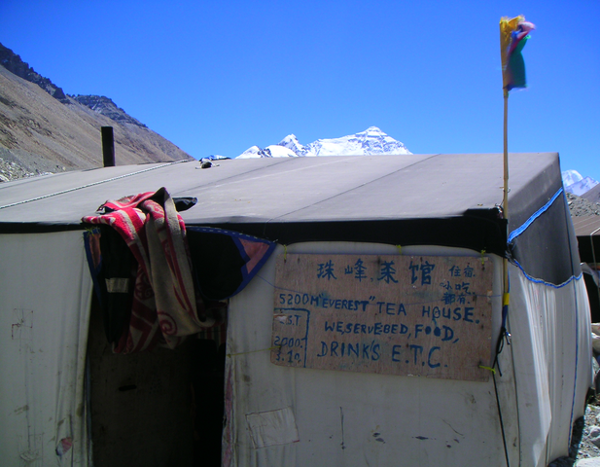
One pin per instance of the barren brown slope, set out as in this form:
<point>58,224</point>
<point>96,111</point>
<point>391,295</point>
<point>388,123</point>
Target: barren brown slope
<point>41,134</point>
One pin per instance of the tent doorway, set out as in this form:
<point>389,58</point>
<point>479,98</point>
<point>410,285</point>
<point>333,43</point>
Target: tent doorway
<point>158,408</point>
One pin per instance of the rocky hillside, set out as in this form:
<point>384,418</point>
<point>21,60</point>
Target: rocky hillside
<point>579,206</point>
<point>105,106</point>
<point>13,63</point>
<point>43,129</point>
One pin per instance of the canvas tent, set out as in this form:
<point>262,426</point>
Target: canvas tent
<point>384,398</point>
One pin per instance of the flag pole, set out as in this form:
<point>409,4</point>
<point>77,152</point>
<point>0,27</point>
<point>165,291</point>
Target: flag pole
<point>506,175</point>
<point>506,26</point>
<point>513,37</point>
<point>505,201</point>
<point>506,287</point>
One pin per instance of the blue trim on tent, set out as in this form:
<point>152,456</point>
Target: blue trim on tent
<point>541,281</point>
<point>518,231</point>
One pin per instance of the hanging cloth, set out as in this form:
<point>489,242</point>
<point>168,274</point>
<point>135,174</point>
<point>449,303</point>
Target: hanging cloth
<point>164,306</point>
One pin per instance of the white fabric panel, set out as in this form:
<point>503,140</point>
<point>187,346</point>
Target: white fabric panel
<point>551,341</point>
<point>45,287</point>
<point>348,419</point>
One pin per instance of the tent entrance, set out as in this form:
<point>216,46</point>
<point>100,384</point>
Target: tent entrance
<point>157,408</point>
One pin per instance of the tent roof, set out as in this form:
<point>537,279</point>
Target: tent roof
<point>586,226</point>
<point>285,190</point>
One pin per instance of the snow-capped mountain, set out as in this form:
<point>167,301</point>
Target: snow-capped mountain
<point>372,141</point>
<point>575,183</point>
<point>292,143</point>
<point>582,186</point>
<point>571,176</point>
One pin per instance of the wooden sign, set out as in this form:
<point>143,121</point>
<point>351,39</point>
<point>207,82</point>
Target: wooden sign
<point>391,314</point>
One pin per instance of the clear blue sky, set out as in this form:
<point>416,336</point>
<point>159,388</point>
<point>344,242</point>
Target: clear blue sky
<point>218,77</point>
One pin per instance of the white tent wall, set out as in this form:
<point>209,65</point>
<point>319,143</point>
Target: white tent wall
<point>46,288</point>
<point>325,417</point>
<point>551,341</point>
<point>345,418</point>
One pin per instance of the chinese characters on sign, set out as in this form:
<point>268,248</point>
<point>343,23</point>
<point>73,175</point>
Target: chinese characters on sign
<point>403,315</point>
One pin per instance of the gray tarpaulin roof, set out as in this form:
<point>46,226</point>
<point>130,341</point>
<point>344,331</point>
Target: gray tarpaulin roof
<point>285,190</point>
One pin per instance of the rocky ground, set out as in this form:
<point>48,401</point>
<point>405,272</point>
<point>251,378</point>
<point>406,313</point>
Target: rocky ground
<point>582,207</point>
<point>10,170</point>
<point>584,442</point>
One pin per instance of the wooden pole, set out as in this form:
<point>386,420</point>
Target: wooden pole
<point>505,201</point>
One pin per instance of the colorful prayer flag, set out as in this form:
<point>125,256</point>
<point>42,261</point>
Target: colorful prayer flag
<point>513,36</point>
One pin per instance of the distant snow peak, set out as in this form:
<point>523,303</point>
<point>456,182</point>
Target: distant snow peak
<point>252,152</point>
<point>275,150</point>
<point>575,183</point>
<point>582,186</point>
<point>292,143</point>
<point>372,141</point>
<point>571,176</point>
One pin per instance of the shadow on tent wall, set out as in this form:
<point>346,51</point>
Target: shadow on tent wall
<point>157,408</point>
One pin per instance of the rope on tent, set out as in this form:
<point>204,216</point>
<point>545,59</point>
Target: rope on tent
<point>499,347</point>
<point>501,420</point>
<point>504,335</point>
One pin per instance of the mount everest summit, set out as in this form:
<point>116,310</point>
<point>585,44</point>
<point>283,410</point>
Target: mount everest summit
<point>372,141</point>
